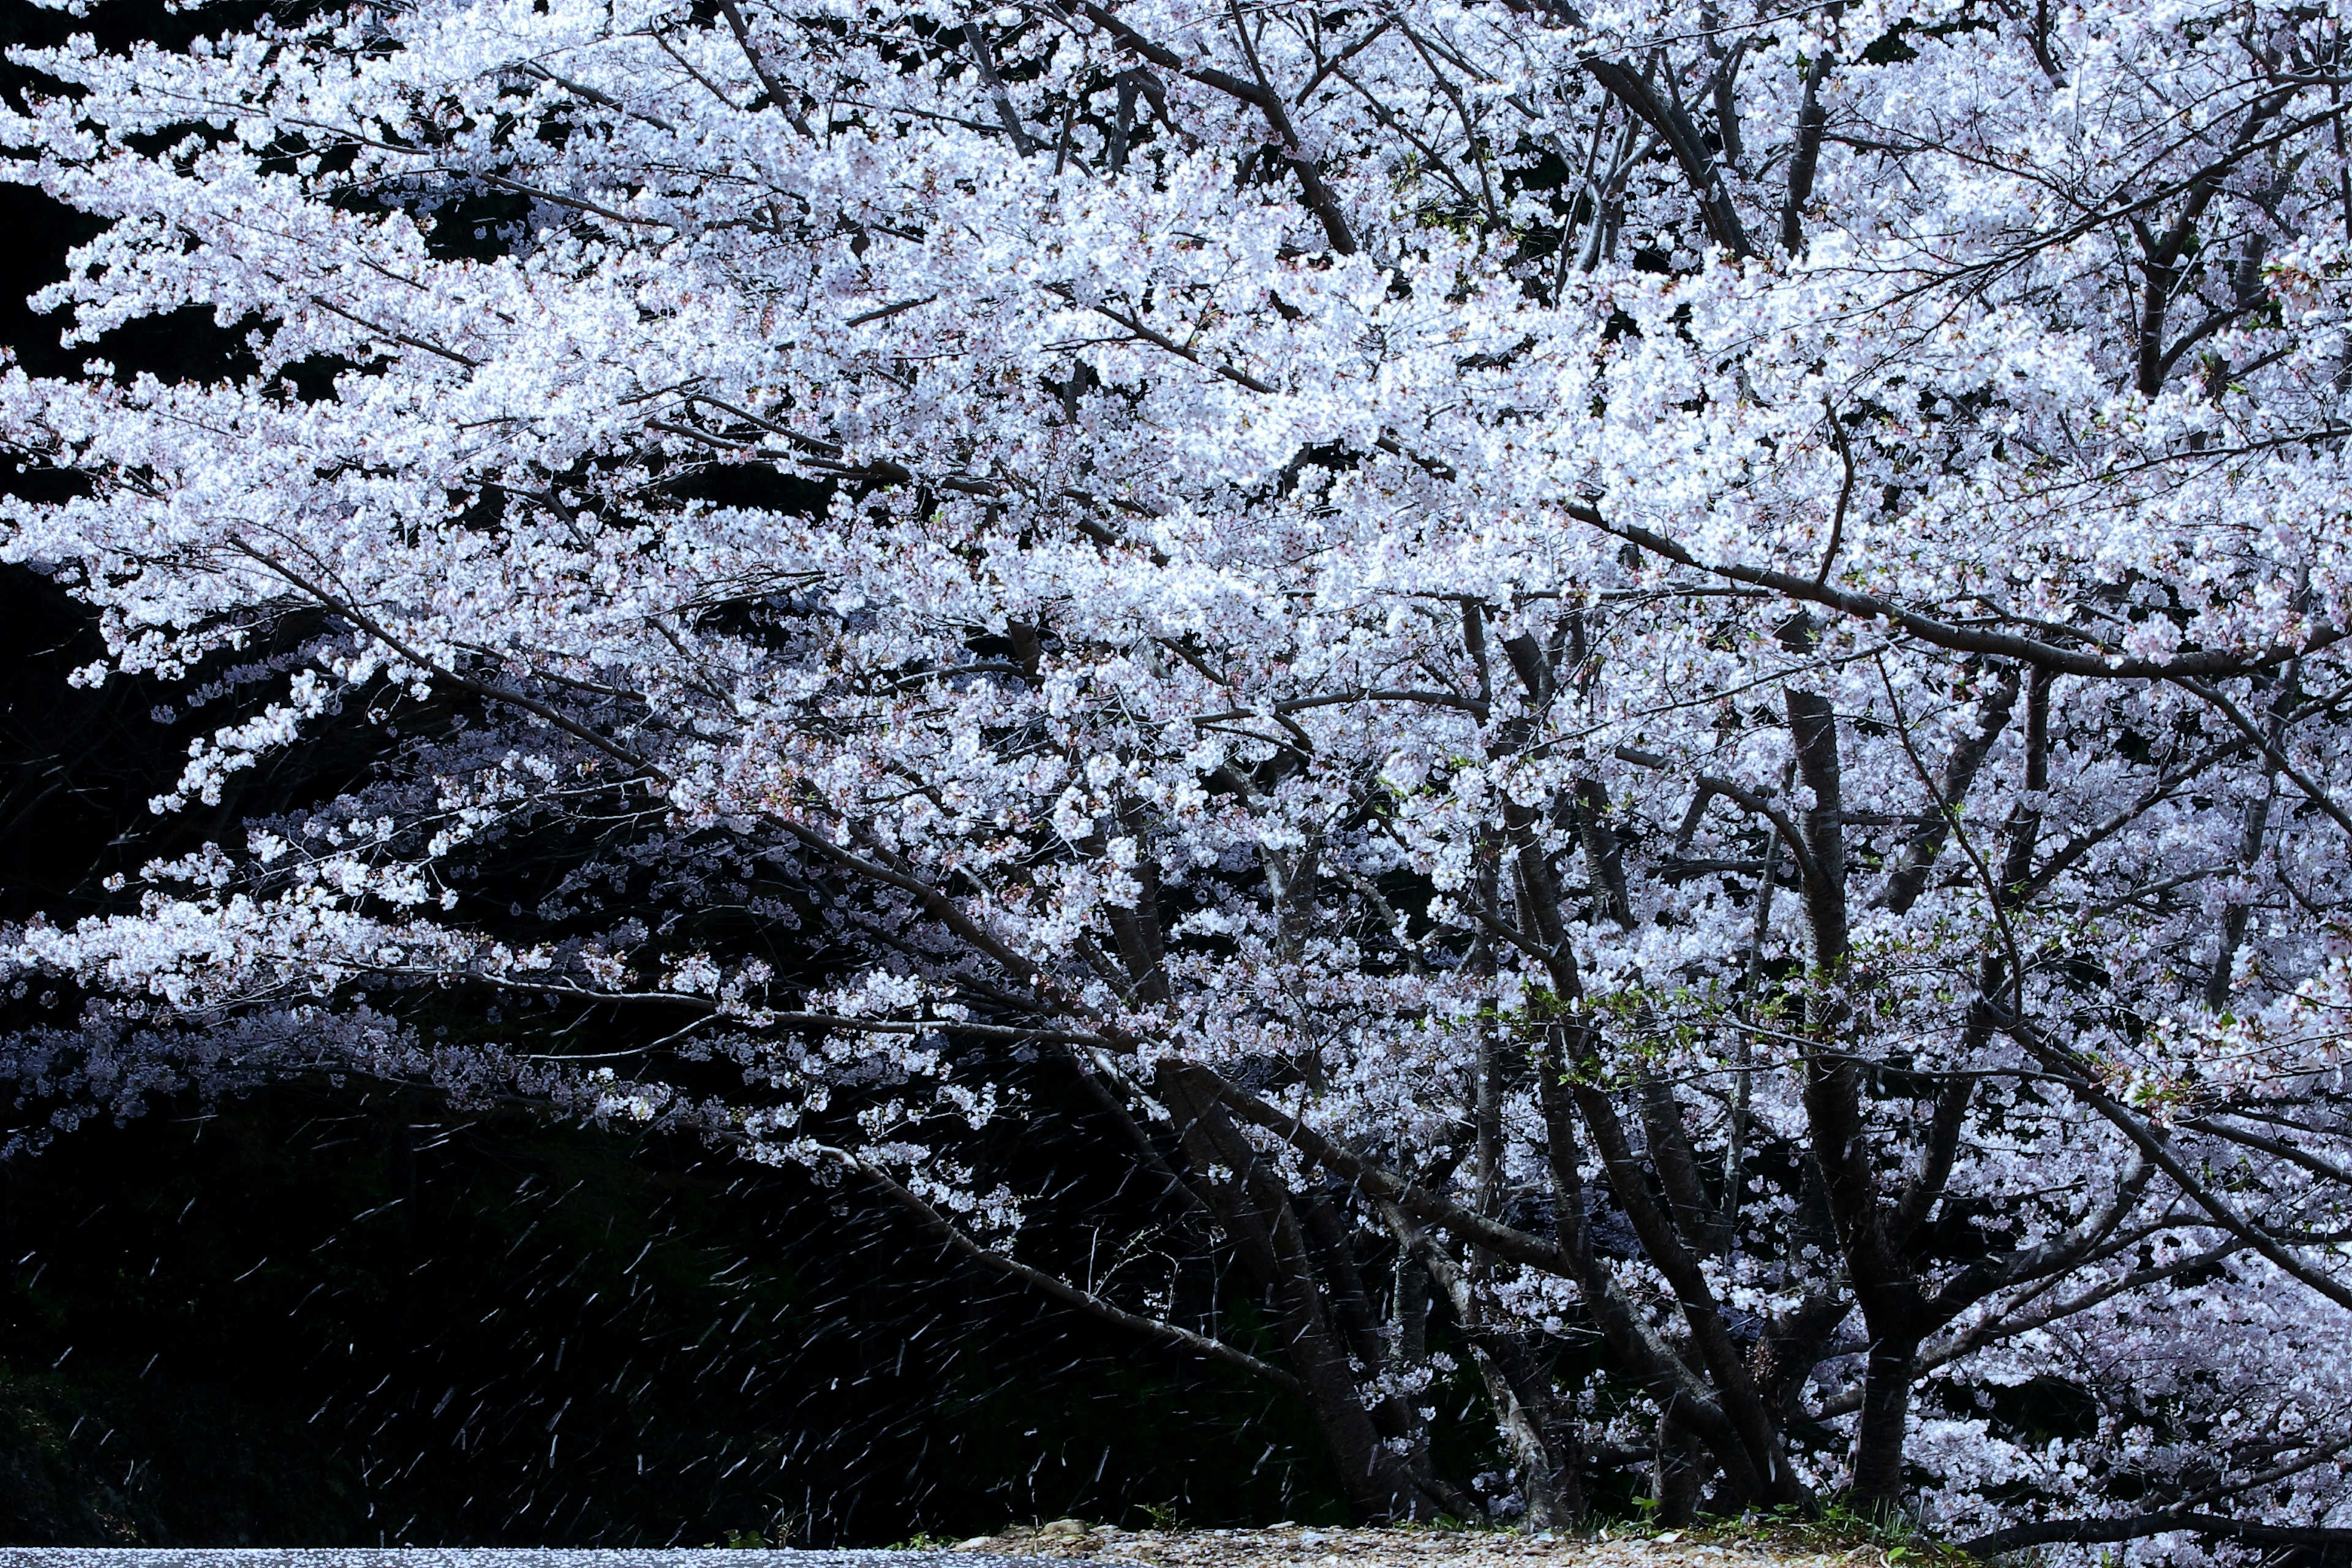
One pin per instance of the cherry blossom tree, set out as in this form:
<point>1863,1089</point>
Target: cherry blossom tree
<point>1672,675</point>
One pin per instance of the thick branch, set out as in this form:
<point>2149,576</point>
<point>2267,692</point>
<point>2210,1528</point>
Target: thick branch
<point>1967,639</point>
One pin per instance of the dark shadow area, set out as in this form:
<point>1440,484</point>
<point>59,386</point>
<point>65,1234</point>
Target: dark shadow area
<point>330,1319</point>
<point>334,1314</point>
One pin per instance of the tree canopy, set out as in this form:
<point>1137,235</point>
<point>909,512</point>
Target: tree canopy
<point>1672,675</point>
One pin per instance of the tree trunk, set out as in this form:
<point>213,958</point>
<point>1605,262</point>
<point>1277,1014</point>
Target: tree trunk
<point>1679,1475</point>
<point>1258,1214</point>
<point>1547,1449</point>
<point>1878,1439</point>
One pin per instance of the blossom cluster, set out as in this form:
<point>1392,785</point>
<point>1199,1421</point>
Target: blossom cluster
<point>1680,667</point>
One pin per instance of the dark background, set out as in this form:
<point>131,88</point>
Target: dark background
<point>316,1316</point>
<point>321,1319</point>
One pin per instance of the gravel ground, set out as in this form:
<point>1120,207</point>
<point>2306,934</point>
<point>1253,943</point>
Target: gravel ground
<point>1294,1546</point>
<point>1055,1545</point>
<point>474,1557</point>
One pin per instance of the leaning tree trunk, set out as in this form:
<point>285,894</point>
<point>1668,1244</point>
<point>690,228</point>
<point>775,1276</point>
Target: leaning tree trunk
<point>1259,1215</point>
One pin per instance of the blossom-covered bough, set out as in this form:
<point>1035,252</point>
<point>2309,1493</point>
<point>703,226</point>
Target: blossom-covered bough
<point>1671,673</point>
